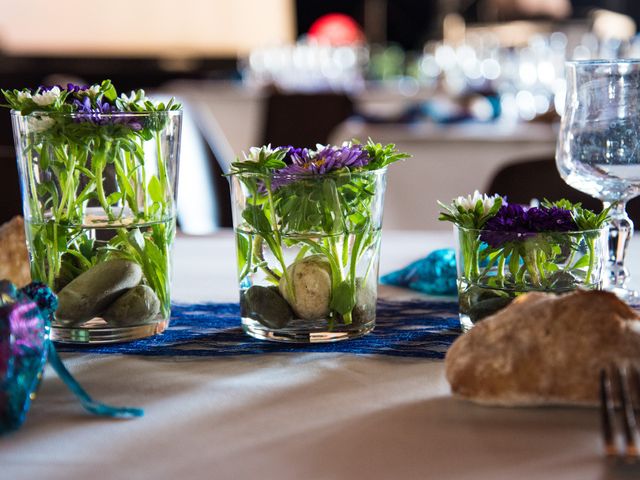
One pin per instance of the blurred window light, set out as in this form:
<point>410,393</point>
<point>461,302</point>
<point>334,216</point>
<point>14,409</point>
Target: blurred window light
<point>490,69</point>
<point>558,41</point>
<point>528,73</point>
<point>526,105</point>
<point>146,27</point>
<point>445,57</point>
<point>481,109</point>
<point>546,72</point>
<point>429,66</point>
<point>541,103</point>
<point>581,53</point>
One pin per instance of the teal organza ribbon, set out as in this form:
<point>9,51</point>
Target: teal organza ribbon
<point>434,274</point>
<point>25,347</point>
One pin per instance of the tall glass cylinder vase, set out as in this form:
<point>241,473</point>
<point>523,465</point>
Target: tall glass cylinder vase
<point>308,249</point>
<point>99,204</point>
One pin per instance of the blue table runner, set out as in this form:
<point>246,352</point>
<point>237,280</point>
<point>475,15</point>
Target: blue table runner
<point>416,328</point>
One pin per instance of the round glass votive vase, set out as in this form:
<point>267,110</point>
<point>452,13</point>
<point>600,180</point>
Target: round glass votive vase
<point>495,267</point>
<point>308,249</point>
<point>99,201</point>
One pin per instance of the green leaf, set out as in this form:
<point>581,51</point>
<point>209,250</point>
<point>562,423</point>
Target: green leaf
<point>581,262</point>
<point>242,248</point>
<point>154,255</point>
<point>136,240</point>
<point>114,198</point>
<point>343,298</point>
<point>109,91</point>
<point>86,248</point>
<point>155,190</point>
<point>255,217</point>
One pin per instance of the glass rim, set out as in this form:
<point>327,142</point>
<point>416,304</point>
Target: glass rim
<point>311,176</point>
<point>145,113</point>
<point>547,232</point>
<point>604,61</point>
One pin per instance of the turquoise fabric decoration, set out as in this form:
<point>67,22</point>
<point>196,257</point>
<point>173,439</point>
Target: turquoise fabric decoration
<point>25,347</point>
<point>434,274</point>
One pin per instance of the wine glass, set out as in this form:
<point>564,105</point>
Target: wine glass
<point>598,149</point>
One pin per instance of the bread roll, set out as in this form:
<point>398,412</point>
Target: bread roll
<point>544,349</point>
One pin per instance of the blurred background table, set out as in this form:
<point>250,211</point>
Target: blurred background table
<point>291,416</point>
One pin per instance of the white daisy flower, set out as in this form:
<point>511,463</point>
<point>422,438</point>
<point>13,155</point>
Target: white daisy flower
<point>92,91</point>
<point>469,202</point>
<point>22,96</point>
<point>46,98</point>
<point>254,153</point>
<point>134,98</point>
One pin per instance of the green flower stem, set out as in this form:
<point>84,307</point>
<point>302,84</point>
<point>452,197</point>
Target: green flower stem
<point>501,262</point>
<point>540,267</point>
<point>569,261</point>
<point>345,250</point>
<point>276,244</point>
<point>590,247</point>
<point>470,249</point>
<point>529,259</point>
<point>143,175</point>
<point>374,240</point>
<point>99,163</point>
<point>65,208</point>
<point>37,213</point>
<point>258,255</point>
<point>167,190</point>
<point>487,269</point>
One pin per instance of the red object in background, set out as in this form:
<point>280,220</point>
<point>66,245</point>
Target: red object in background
<point>336,29</point>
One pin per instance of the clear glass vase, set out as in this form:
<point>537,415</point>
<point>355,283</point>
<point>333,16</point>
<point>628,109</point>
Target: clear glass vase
<point>494,267</point>
<point>308,249</point>
<point>99,204</point>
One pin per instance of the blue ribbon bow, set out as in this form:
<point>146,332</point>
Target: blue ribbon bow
<point>25,347</point>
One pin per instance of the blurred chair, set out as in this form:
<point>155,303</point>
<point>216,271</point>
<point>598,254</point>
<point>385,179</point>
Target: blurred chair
<point>204,203</point>
<point>523,181</point>
<point>302,120</point>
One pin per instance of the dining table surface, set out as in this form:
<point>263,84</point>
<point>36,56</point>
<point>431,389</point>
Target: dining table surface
<point>292,415</point>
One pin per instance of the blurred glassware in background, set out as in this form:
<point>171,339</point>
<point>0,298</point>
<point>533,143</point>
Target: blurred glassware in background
<point>307,66</point>
<point>514,71</point>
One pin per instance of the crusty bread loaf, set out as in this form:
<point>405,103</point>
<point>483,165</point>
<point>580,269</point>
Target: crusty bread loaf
<point>14,259</point>
<point>544,349</point>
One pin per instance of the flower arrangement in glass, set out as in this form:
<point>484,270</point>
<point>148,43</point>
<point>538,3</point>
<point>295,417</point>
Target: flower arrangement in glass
<point>504,250</point>
<point>98,176</point>
<point>307,225</point>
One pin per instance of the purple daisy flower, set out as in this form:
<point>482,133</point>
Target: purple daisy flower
<point>48,88</point>
<point>73,88</point>
<point>329,159</point>
<point>96,115</point>
<point>514,223</point>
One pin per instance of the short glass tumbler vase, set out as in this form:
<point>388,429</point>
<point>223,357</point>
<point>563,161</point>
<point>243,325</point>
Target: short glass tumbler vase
<point>308,249</point>
<point>99,201</point>
<point>495,267</point>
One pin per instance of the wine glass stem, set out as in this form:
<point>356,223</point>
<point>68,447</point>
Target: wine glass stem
<point>620,232</point>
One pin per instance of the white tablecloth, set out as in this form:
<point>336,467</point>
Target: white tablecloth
<point>289,416</point>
